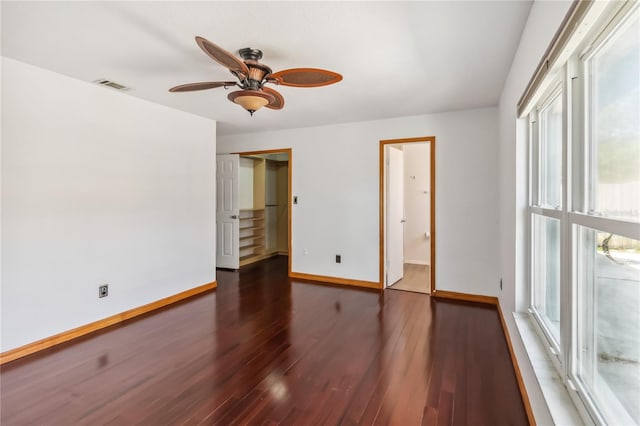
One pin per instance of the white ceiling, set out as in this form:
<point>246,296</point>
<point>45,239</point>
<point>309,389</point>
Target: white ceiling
<point>397,58</point>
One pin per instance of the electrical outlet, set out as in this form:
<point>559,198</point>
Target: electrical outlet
<point>338,258</point>
<point>500,284</point>
<point>103,291</point>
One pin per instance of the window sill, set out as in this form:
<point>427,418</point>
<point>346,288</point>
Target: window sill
<point>556,396</point>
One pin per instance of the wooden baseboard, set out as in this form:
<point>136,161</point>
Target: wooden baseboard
<point>516,368</point>
<point>466,297</point>
<point>83,330</point>
<point>335,280</point>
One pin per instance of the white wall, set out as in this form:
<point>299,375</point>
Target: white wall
<point>336,176</point>
<point>544,20</point>
<point>416,203</point>
<point>97,187</point>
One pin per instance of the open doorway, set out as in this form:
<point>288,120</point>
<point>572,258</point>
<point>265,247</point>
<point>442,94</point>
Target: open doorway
<point>407,214</point>
<point>253,207</point>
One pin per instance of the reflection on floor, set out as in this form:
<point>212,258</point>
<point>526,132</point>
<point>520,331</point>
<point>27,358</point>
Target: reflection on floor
<point>416,278</point>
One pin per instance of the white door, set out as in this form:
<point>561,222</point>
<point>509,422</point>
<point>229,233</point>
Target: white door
<point>395,215</point>
<point>227,212</point>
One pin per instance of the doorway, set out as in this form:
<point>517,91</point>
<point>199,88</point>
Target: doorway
<point>407,214</point>
<point>253,207</point>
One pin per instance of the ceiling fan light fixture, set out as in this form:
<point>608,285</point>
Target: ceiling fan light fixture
<point>251,100</point>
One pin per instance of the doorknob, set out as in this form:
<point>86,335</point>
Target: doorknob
<point>235,216</point>
<point>403,221</point>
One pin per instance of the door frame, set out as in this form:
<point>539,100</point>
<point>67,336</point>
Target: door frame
<point>432,207</point>
<point>288,151</point>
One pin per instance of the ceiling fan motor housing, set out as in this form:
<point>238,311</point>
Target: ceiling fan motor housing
<point>250,53</point>
<point>257,71</point>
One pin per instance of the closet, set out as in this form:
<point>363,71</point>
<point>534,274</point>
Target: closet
<point>263,194</point>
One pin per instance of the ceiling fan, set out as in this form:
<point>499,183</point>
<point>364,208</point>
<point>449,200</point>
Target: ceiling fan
<point>252,76</point>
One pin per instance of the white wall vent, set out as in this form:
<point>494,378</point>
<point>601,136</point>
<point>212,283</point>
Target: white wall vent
<point>109,83</point>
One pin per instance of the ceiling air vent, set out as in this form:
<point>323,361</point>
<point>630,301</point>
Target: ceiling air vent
<point>111,84</point>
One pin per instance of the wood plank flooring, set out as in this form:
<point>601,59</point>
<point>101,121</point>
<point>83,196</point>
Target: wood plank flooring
<point>264,349</point>
<point>415,278</point>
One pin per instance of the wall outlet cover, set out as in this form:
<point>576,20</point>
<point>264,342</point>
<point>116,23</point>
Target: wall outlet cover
<point>103,291</point>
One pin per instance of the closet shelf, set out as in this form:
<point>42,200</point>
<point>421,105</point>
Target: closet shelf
<point>251,228</point>
<point>251,237</point>
<point>251,246</point>
<point>247,257</point>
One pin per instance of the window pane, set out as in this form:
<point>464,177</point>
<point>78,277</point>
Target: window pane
<point>546,272</point>
<point>551,154</point>
<point>608,284</point>
<point>615,124</point>
<point>534,153</point>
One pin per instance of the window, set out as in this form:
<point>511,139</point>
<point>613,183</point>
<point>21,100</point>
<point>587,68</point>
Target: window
<point>608,350</point>
<point>584,214</point>
<point>546,275</point>
<point>546,199</point>
<point>613,92</point>
<point>551,153</point>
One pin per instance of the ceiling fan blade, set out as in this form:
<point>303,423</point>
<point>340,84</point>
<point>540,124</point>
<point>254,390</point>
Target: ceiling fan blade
<point>221,56</point>
<point>190,87</point>
<point>306,77</point>
<point>278,102</point>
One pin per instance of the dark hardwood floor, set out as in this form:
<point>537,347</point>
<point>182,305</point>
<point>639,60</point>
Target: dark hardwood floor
<point>264,349</point>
